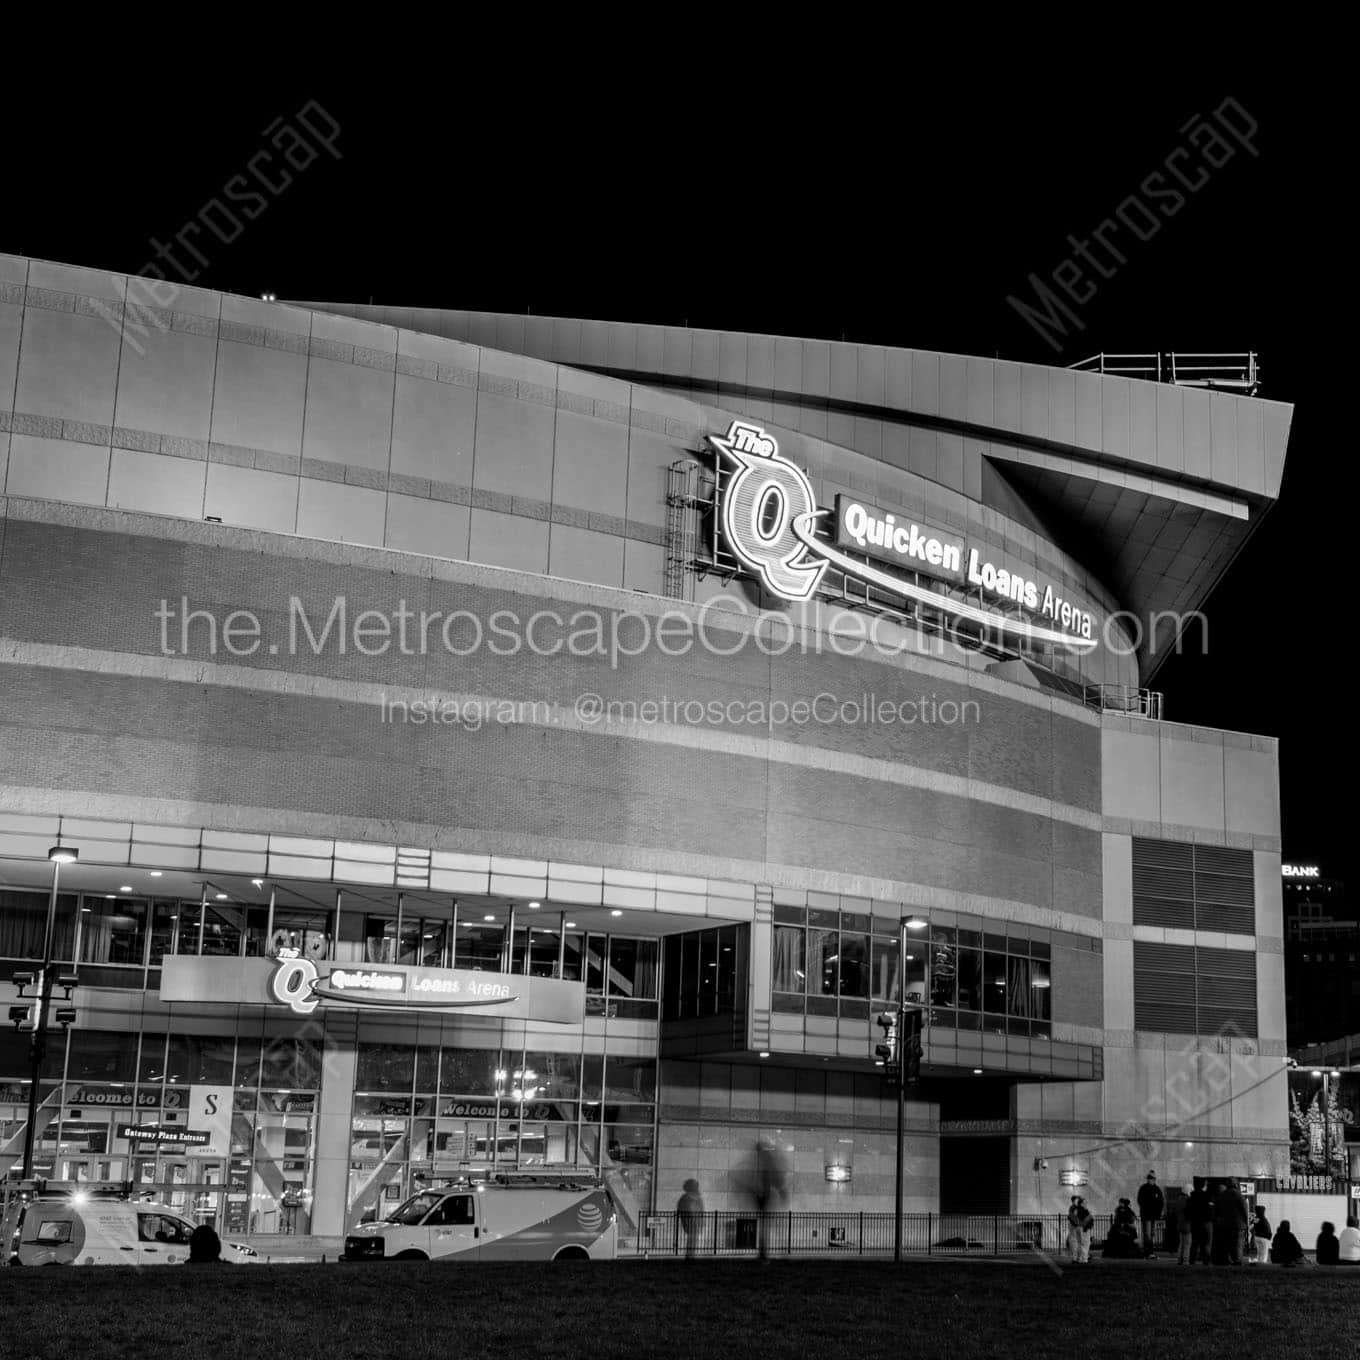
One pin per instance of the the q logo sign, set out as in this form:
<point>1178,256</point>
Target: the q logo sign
<point>292,985</point>
<point>766,498</point>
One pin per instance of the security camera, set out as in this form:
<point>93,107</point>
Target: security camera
<point>1040,1164</point>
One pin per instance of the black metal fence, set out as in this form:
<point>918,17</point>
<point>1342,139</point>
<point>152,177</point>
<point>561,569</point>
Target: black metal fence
<point>734,1233</point>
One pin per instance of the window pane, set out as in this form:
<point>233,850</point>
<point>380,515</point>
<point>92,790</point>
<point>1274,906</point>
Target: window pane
<point>823,956</point>
<point>994,982</point>
<point>632,1079</point>
<point>288,1063</point>
<point>914,973</point>
<point>468,1071</point>
<point>222,930</point>
<point>1017,987</point>
<point>708,972</point>
<point>383,1067</point>
<point>112,932</point>
<point>595,960</point>
<point>854,963</point>
<point>556,1076</point>
<point>479,947</point>
<point>304,930</point>
<point>543,951</point>
<point>670,974</point>
<point>632,967</point>
<point>101,1055</point>
<point>789,964</point>
<point>970,980</point>
<point>885,979</point>
<point>1040,986</point>
<point>727,968</point>
<point>194,1058</point>
<point>943,973</point>
<point>152,1065</point>
<point>573,961</point>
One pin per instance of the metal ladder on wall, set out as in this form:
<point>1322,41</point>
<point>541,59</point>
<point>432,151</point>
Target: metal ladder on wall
<point>682,500</point>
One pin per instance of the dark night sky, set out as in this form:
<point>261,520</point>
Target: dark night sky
<point>758,202</point>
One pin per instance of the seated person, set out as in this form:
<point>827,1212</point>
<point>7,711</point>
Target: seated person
<point>1328,1251</point>
<point>1349,1243</point>
<point>1122,1242</point>
<point>1285,1249</point>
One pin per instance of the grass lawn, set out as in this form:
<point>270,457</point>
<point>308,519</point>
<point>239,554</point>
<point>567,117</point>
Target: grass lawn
<point>713,1308</point>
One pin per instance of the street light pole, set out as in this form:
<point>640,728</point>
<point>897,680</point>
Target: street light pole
<point>901,1085</point>
<point>37,1049</point>
<point>903,1042</point>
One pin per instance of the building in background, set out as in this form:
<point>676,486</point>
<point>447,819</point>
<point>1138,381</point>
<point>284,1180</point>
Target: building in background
<point>1321,972</point>
<point>492,740</point>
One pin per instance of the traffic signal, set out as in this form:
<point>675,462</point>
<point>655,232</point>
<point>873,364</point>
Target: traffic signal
<point>912,1046</point>
<point>19,1015</point>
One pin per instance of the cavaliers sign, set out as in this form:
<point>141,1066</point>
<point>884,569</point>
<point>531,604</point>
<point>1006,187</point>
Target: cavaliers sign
<point>301,985</point>
<point>769,519</point>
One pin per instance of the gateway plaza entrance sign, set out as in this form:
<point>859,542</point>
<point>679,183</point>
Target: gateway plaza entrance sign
<point>301,985</point>
<point>770,518</point>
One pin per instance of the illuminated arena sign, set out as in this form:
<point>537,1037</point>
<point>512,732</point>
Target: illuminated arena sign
<point>1300,871</point>
<point>303,984</point>
<point>769,518</point>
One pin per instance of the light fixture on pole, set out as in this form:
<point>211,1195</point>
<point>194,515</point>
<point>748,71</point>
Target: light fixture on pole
<point>37,1049</point>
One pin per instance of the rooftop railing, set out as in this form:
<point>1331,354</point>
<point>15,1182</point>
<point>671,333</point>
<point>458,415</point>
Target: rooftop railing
<point>1126,699</point>
<point>1228,371</point>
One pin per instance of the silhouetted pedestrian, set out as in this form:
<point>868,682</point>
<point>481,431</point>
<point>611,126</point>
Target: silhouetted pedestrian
<point>205,1247</point>
<point>1285,1249</point>
<point>1260,1237</point>
<point>690,1208</point>
<point>771,1187</point>
<point>1201,1213</point>
<point>1328,1250</point>
<point>1151,1205</point>
<point>1230,1225</point>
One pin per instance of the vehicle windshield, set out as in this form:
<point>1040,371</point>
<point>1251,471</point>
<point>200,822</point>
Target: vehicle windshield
<point>415,1208</point>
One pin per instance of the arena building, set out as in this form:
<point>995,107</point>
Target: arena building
<point>508,739</point>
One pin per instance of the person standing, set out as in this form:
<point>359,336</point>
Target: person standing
<point>690,1209</point>
<point>1184,1240</point>
<point>1201,1214</point>
<point>1079,1225</point>
<point>1260,1237</point>
<point>1230,1224</point>
<point>1151,1205</point>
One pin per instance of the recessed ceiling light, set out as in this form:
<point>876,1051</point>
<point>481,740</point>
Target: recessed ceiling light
<point>488,918</point>
<point>571,925</point>
<point>127,887</point>
<point>155,873</point>
<point>616,912</point>
<point>110,896</point>
<point>534,906</point>
<point>977,1071</point>
<point>221,897</point>
<point>258,882</point>
<point>765,1054</point>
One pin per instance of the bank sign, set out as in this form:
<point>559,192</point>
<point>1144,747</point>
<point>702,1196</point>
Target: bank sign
<point>770,516</point>
<point>301,985</point>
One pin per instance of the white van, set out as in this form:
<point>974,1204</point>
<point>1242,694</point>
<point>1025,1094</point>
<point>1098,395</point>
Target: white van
<point>95,1232</point>
<point>513,1216</point>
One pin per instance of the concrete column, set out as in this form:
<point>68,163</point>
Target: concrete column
<point>339,1061</point>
